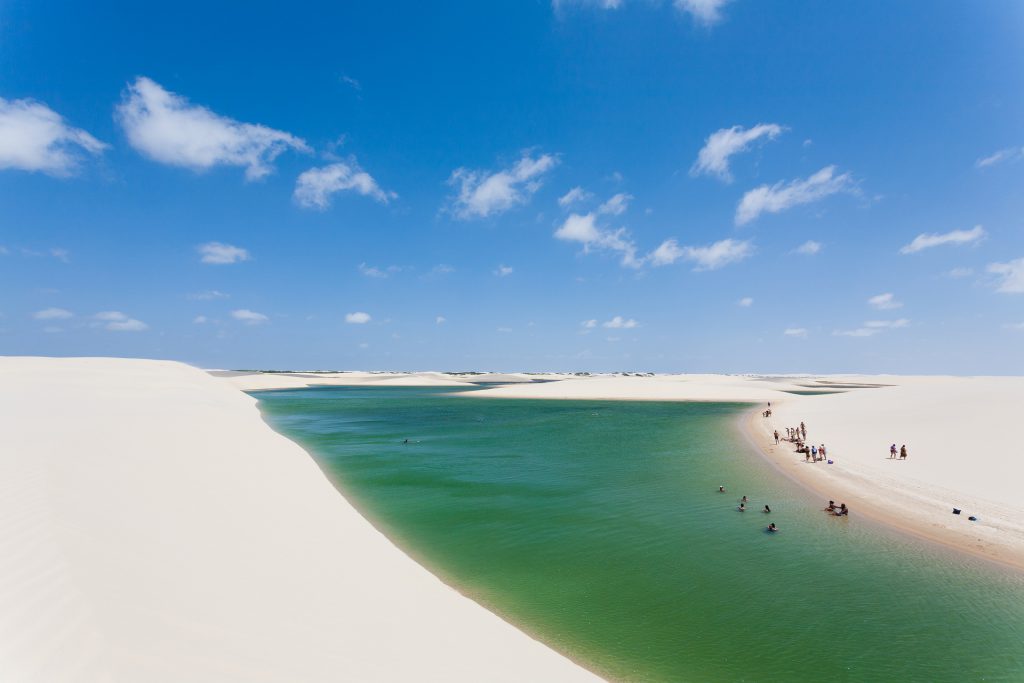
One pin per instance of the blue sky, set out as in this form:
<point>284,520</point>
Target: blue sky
<point>690,185</point>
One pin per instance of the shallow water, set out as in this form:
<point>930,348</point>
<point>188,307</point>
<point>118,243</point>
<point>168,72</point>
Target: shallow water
<point>596,526</point>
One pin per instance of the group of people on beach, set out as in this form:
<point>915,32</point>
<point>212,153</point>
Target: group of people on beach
<point>902,452</point>
<point>798,435</point>
<point>743,508</point>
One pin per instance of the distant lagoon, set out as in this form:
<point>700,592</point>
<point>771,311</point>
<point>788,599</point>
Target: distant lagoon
<point>596,526</point>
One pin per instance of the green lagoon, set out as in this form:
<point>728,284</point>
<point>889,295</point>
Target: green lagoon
<point>597,527</point>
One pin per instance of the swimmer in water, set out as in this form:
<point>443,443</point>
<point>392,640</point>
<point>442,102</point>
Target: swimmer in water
<point>767,509</point>
<point>742,507</point>
<point>721,489</point>
<point>744,499</point>
<point>772,528</point>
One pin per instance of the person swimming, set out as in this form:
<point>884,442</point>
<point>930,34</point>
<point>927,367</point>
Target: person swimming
<point>831,506</point>
<point>767,509</point>
<point>721,489</point>
<point>772,528</point>
<point>742,507</point>
<point>743,499</point>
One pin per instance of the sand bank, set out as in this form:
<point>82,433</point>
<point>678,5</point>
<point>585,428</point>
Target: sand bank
<point>258,381</point>
<point>154,528</point>
<point>961,434</point>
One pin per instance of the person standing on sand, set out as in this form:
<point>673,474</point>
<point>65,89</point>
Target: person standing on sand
<point>803,429</point>
<point>776,437</point>
<point>903,452</point>
<point>892,451</point>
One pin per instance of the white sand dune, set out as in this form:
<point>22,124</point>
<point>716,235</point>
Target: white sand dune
<point>154,528</point>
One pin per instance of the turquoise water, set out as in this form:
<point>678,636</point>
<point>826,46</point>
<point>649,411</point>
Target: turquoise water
<point>597,528</point>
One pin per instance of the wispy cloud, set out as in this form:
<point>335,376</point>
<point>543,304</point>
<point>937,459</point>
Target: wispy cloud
<point>503,270</point>
<point>884,302</point>
<point>379,273</point>
<point>1003,155</point>
<point>576,194</point>
<point>960,272</point>
<point>809,248</point>
<point>1011,276</point>
<point>707,12</point>
<point>209,295</point>
<point>314,187</point>
<point>873,327</point>
<point>709,257</point>
<point>249,317</point>
<point>929,240</point>
<point>218,253</point>
<point>713,158</point>
<point>781,196</point>
<point>33,137</point>
<point>169,129</point>
<point>745,302</point>
<point>616,205</point>
<point>800,332</point>
<point>53,314</point>
<point>357,318</point>
<point>482,193</point>
<point>584,230</point>
<point>116,321</point>
<point>440,320</point>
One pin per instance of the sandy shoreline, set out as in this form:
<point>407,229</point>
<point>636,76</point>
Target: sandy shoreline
<point>155,528</point>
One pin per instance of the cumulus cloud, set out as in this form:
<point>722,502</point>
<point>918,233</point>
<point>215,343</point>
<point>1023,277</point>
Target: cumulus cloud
<point>169,129</point>
<point>781,196</point>
<point>53,314</point>
<point>33,137</point>
<point>249,317</point>
<point>884,302</point>
<point>800,332</point>
<point>809,248</point>
<point>482,194</point>
<point>576,194</point>
<point>667,253</point>
<point>713,158</point>
<point>357,318</point>
<point>745,302</point>
<point>218,253</point>
<point>314,187</point>
<point>116,321</point>
<point>929,240</point>
<point>620,323</point>
<point>503,270</point>
<point>615,205</point>
<point>1011,276</point>
<point>584,229</point>
<point>1003,155</point>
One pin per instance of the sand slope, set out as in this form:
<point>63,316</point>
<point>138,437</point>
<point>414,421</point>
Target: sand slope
<point>154,528</point>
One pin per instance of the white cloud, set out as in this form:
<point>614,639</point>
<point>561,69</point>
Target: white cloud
<point>620,323</point>
<point>745,302</point>
<point>576,194</point>
<point>209,295</point>
<point>713,158</point>
<point>616,205</point>
<point>707,12</point>
<point>357,318</point>
<point>62,255</point>
<point>481,194</point>
<point>503,270</point>
<point>884,302</point>
<point>504,330</point>
<point>588,324</point>
<point>440,320</point>
<point>667,253</point>
<point>1014,326</point>
<point>929,240</point>
<point>858,332</point>
<point>167,128</point>
<point>873,327</point>
<point>584,229</point>
<point>249,317</point>
<point>374,272</point>
<point>33,137</point>
<point>53,314</point>
<point>809,248</point>
<point>200,319</point>
<point>116,321</point>
<point>782,196</point>
<point>219,253</point>
<point>887,324</point>
<point>314,187</point>
<point>1008,154</point>
<point>1011,274</point>
<point>714,256</point>
<point>603,4</point>
<point>960,272</point>
<point>795,332</point>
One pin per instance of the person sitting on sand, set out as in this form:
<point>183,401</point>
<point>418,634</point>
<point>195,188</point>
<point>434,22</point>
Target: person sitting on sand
<point>772,528</point>
<point>903,452</point>
<point>767,509</point>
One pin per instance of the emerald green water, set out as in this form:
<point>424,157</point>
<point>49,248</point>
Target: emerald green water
<point>597,528</point>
